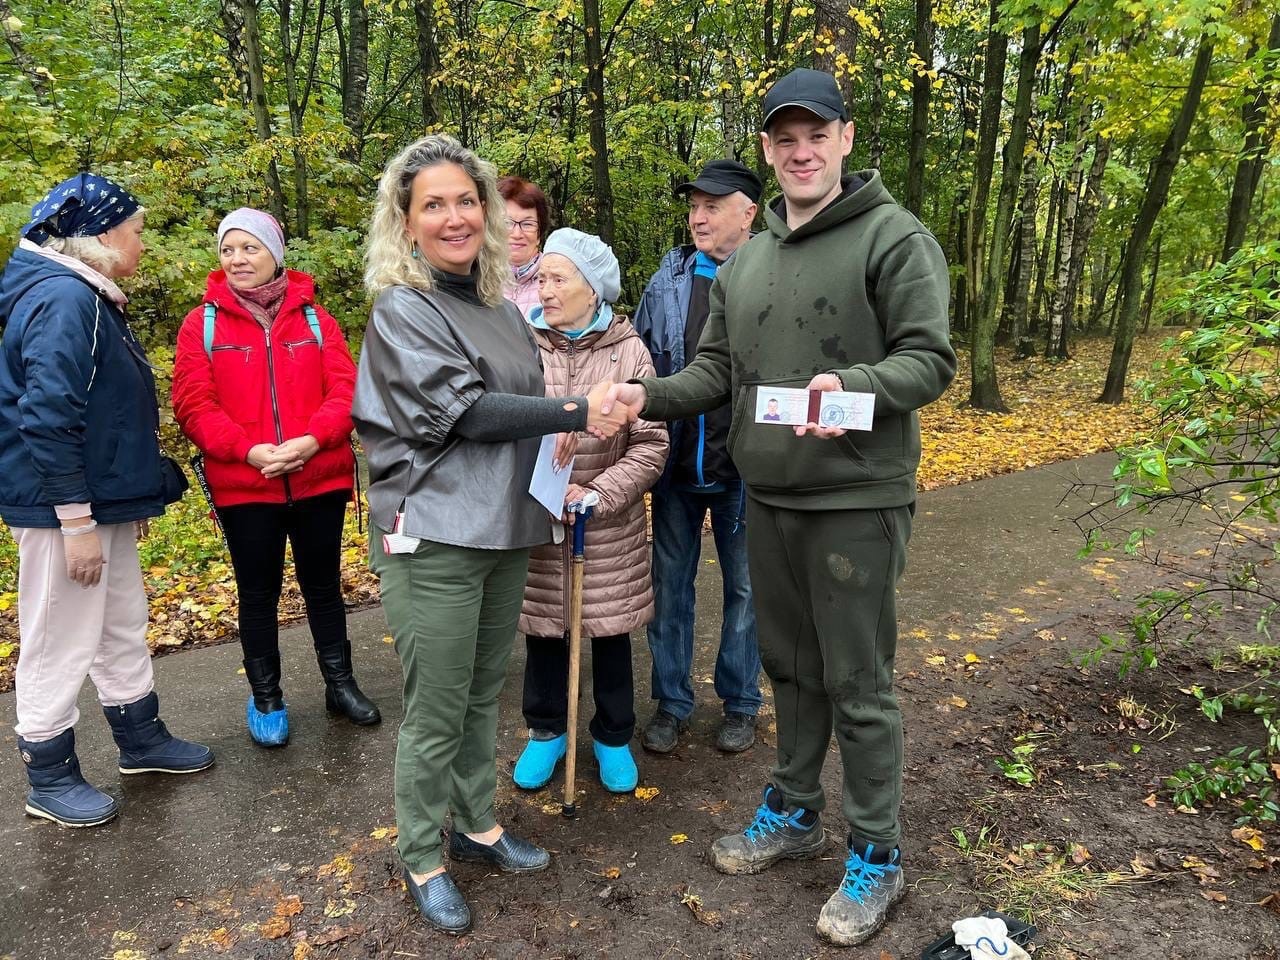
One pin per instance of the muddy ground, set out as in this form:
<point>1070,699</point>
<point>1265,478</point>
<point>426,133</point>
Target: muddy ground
<point>1092,848</point>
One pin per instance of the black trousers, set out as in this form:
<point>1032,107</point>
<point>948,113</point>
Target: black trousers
<point>256,535</point>
<point>546,687</point>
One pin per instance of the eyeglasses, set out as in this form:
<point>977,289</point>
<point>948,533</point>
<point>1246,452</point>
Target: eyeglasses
<point>524,226</point>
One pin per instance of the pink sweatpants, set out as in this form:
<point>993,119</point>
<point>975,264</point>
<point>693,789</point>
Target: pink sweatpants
<point>68,631</point>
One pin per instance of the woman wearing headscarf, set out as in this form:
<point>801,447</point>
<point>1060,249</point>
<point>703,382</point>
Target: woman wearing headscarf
<point>81,473</point>
<point>262,384</point>
<point>528,219</point>
<point>582,342</point>
<point>450,408</point>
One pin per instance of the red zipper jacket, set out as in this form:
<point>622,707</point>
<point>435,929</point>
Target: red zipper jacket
<point>265,387</point>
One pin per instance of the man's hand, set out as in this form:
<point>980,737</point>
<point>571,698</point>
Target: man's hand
<point>566,447</point>
<point>143,529</point>
<point>84,556</point>
<point>622,398</point>
<point>604,423</point>
<point>824,382</point>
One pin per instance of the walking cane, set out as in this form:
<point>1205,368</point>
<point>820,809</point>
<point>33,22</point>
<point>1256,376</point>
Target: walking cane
<point>583,509</point>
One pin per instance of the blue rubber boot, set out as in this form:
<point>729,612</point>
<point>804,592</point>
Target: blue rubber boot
<point>618,770</point>
<point>147,746</point>
<point>538,762</point>
<point>266,713</point>
<point>58,791</point>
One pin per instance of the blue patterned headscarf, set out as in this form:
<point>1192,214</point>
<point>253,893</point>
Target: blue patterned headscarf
<point>84,206</point>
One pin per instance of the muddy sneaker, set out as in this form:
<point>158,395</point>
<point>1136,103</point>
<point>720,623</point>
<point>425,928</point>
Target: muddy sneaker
<point>775,834</point>
<point>737,733</point>
<point>663,732</point>
<point>859,908</point>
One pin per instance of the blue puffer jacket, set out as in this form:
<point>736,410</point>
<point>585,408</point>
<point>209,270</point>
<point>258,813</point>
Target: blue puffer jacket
<point>78,416</point>
<point>660,321</point>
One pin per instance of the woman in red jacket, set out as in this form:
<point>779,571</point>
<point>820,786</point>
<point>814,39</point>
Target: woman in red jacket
<point>262,384</point>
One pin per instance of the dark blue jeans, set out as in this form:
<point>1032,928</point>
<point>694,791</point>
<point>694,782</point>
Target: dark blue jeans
<point>677,544</point>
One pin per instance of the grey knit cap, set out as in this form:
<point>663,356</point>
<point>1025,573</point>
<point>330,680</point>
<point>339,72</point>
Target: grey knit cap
<point>592,257</point>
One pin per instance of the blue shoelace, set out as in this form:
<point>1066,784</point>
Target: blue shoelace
<point>768,820</point>
<point>861,877</point>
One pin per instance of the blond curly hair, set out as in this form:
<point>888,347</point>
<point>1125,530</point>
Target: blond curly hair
<point>389,260</point>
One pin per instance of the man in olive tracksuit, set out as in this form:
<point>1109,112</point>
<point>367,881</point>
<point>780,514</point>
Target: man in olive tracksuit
<point>844,290</point>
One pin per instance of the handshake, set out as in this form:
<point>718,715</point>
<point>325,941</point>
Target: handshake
<point>611,406</point>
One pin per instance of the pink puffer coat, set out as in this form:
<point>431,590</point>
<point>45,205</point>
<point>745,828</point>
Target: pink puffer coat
<point>617,592</point>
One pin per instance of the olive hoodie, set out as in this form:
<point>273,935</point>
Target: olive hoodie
<point>861,290</point>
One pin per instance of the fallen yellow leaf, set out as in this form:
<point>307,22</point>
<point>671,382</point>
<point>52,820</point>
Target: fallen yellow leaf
<point>958,702</point>
<point>972,658</point>
<point>384,833</point>
<point>646,793</point>
<point>1250,837</point>
<point>679,838</point>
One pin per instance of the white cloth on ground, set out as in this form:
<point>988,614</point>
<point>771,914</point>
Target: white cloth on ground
<point>987,938</point>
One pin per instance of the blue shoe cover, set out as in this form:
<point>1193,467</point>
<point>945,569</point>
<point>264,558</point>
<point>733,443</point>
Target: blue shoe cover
<point>538,762</point>
<point>267,729</point>
<point>618,770</point>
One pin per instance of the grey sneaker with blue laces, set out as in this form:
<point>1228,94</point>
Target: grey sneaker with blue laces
<point>860,907</point>
<point>776,833</point>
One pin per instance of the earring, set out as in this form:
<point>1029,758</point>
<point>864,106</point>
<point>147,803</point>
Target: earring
<point>415,249</point>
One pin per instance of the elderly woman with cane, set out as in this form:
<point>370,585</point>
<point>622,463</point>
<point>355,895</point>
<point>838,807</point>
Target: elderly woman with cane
<point>583,342</point>
<point>81,473</point>
<point>262,384</point>
<point>450,408</point>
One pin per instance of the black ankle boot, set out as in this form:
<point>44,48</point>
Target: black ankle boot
<point>341,695</point>
<point>263,674</point>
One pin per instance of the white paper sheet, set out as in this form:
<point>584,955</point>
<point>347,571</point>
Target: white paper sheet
<point>549,485</point>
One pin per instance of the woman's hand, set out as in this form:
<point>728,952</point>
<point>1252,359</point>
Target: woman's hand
<point>602,425</point>
<point>295,453</point>
<point>261,455</point>
<point>566,447</point>
<point>573,494</point>
<point>84,557</point>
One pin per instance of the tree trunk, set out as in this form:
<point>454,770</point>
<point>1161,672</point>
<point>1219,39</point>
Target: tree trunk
<point>921,88</point>
<point>1151,287</point>
<point>1060,312</point>
<point>1158,181</point>
<point>233,26</point>
<point>1042,260</point>
<point>355,78</point>
<point>297,108</point>
<point>1099,280</point>
<point>596,120</point>
<point>987,264</point>
<point>428,60</point>
<point>1020,332</point>
<point>258,97</point>
<point>1086,220</point>
<point>1249,168</point>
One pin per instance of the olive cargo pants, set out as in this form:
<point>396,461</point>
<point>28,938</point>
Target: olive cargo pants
<point>453,613</point>
<point>827,625</point>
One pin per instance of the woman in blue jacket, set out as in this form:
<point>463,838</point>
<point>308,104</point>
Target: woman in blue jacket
<point>80,475</point>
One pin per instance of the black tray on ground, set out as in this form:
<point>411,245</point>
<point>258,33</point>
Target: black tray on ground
<point>946,948</point>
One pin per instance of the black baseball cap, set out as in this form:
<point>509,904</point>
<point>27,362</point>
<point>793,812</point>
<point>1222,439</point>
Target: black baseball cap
<point>813,90</point>
<point>722,177</point>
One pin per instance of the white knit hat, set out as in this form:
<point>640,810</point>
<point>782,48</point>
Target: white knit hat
<point>592,257</point>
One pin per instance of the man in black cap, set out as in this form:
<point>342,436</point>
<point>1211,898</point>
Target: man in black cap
<point>699,476</point>
<point>843,290</point>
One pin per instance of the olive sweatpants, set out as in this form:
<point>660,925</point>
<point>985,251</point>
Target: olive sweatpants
<point>453,613</point>
<point>827,626</point>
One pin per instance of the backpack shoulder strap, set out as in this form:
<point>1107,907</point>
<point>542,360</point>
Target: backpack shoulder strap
<point>313,322</point>
<point>210,318</point>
